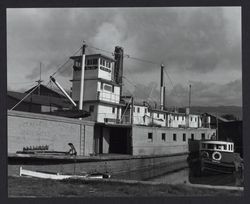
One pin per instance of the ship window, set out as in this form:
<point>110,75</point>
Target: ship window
<point>210,146</point>
<point>101,85</point>
<point>164,116</point>
<point>203,136</point>
<point>203,146</point>
<point>108,64</point>
<point>107,87</point>
<point>89,62</point>
<point>157,115</point>
<point>184,137</point>
<point>102,62</point>
<point>163,136</point>
<point>220,147</point>
<point>174,137</point>
<point>95,61</point>
<point>113,88</point>
<point>192,136</point>
<point>113,110</point>
<point>77,63</point>
<point>145,110</point>
<point>191,118</point>
<point>138,110</point>
<point>150,137</point>
<point>91,108</point>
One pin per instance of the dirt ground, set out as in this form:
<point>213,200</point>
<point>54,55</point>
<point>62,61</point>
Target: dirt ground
<point>32,187</point>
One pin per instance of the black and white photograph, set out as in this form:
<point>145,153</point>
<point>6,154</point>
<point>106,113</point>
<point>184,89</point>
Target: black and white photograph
<point>124,102</point>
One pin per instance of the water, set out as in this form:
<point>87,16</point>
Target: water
<point>185,176</point>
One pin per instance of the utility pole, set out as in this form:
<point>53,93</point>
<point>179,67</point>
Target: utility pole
<point>40,79</point>
<point>82,77</point>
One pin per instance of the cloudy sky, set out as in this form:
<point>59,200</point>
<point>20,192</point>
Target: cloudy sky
<point>198,46</point>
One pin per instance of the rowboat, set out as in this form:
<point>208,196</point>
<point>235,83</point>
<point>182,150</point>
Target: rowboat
<point>59,176</point>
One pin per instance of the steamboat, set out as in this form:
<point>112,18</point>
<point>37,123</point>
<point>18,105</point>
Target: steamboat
<point>107,131</point>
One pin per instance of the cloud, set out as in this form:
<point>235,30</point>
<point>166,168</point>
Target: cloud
<point>200,42</point>
<point>202,94</point>
<point>192,39</point>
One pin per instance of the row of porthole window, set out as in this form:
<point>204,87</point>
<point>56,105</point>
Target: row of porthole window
<point>163,136</point>
<point>183,118</point>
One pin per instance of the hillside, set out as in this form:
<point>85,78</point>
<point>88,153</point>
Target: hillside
<point>220,110</point>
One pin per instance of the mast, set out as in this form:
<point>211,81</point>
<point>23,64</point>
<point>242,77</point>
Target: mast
<point>40,79</point>
<point>82,77</point>
<point>162,89</point>
<point>189,100</point>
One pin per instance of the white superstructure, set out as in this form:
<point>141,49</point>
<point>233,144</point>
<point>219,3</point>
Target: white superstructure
<point>101,93</point>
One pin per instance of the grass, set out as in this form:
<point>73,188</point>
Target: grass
<point>24,187</point>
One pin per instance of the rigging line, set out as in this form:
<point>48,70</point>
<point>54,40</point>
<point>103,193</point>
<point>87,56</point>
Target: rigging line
<point>142,60</point>
<point>138,88</point>
<point>21,82</point>
<point>89,46</point>
<point>61,66</point>
<point>168,77</point>
<point>25,97</point>
<point>130,101</point>
<point>125,55</point>
<point>165,72</point>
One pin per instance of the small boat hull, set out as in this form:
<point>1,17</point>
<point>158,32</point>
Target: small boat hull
<point>57,176</point>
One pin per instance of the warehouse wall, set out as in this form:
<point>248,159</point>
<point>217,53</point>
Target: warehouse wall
<point>31,129</point>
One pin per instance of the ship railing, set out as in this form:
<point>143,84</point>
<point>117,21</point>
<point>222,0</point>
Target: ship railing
<point>110,97</point>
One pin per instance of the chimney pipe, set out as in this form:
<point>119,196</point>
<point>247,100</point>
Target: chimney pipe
<point>118,70</point>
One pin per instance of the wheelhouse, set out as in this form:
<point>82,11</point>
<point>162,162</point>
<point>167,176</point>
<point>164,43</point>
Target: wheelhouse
<point>217,146</point>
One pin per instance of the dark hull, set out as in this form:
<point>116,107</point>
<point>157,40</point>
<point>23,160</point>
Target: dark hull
<point>228,164</point>
<point>212,167</point>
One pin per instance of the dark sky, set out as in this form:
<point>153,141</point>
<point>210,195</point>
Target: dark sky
<point>198,46</point>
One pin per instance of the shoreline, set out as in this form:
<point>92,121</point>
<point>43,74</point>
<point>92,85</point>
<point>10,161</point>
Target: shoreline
<point>33,187</point>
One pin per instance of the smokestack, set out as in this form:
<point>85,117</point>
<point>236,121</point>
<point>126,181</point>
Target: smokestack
<point>162,89</point>
<point>118,70</point>
<point>164,97</point>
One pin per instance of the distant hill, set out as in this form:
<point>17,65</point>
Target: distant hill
<point>220,110</point>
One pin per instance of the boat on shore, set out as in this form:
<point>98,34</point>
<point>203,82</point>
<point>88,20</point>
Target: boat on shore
<point>59,176</point>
